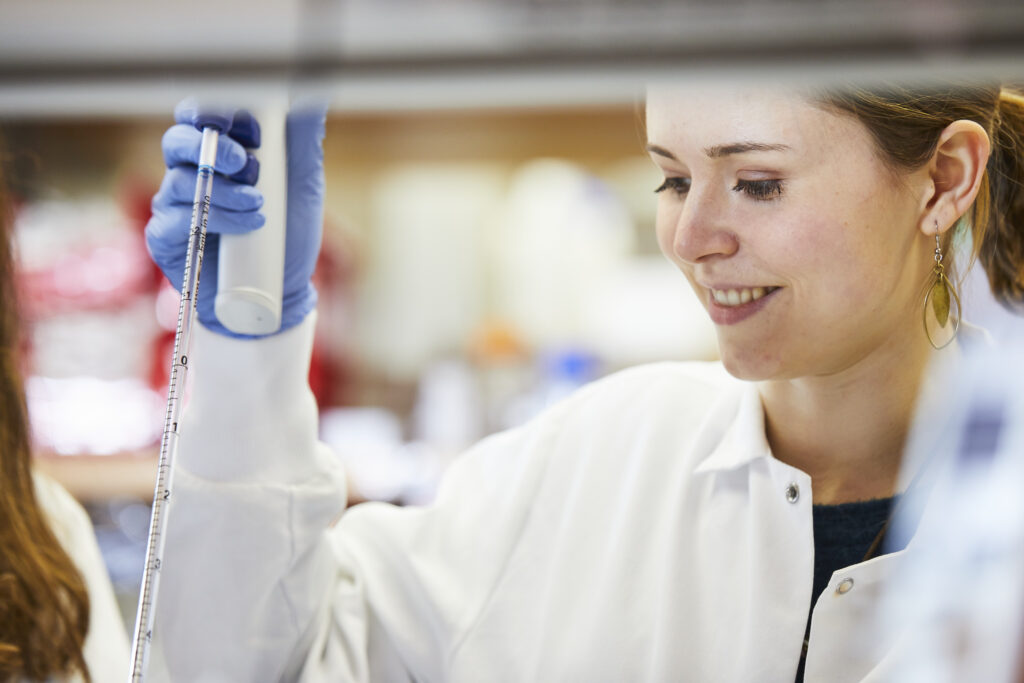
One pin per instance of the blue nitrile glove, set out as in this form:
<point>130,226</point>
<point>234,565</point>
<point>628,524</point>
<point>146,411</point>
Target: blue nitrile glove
<point>235,205</point>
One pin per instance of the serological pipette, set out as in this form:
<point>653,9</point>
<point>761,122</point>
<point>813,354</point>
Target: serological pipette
<point>212,124</point>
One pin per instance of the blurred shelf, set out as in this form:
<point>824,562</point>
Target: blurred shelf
<point>193,36</point>
<point>126,58</point>
<point>102,478</point>
<point>97,478</point>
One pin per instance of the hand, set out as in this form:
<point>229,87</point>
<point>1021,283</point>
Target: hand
<point>235,206</point>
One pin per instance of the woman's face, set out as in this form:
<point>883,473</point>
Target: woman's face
<point>803,246</point>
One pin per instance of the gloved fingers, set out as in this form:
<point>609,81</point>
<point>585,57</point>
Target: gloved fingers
<point>179,186</point>
<point>305,135</point>
<point>171,223</point>
<point>181,145</point>
<point>243,126</point>
<point>227,222</point>
<point>250,173</point>
<point>245,129</point>
<point>167,233</point>
<point>197,115</point>
<point>171,258</point>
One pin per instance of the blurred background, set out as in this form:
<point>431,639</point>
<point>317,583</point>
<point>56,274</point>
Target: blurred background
<point>489,239</point>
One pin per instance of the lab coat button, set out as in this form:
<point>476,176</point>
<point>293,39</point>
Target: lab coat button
<point>844,587</point>
<point>793,493</point>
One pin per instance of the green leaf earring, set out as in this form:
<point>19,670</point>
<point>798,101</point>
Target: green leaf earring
<point>939,298</point>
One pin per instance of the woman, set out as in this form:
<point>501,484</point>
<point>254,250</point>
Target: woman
<point>671,522</point>
<point>58,616</point>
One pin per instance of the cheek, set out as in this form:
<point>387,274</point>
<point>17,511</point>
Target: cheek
<point>846,270</point>
<point>821,257</point>
<point>865,237</point>
<point>664,227</point>
<point>802,246</point>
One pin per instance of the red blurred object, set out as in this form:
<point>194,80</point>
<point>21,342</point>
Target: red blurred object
<point>91,278</point>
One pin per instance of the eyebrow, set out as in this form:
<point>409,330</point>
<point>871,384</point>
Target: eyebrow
<point>719,151</point>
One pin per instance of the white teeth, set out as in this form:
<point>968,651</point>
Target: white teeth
<point>736,297</point>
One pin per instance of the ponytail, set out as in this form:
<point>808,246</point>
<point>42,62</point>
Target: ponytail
<point>999,240</point>
<point>906,123</point>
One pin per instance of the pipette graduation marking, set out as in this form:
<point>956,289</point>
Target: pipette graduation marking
<point>175,396</point>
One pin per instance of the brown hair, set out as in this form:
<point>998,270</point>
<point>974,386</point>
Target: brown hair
<point>44,605</point>
<point>906,124</point>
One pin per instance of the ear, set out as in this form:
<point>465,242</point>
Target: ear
<point>956,170</point>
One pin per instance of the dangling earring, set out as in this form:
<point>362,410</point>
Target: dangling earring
<point>938,299</point>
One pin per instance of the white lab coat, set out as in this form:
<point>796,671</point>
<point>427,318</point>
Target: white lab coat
<point>639,531</point>
<point>106,643</point>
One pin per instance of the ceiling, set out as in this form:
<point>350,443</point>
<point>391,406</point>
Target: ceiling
<point>123,57</point>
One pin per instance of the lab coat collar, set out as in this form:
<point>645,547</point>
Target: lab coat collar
<point>744,439</point>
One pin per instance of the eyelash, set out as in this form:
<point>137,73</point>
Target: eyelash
<point>679,185</point>
<point>759,190</point>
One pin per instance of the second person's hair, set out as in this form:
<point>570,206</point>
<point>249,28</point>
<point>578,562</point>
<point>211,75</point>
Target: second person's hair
<point>44,604</point>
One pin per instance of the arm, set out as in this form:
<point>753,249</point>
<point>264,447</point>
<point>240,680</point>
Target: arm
<point>248,569</point>
<point>264,582</point>
<point>257,584</point>
<point>253,490</point>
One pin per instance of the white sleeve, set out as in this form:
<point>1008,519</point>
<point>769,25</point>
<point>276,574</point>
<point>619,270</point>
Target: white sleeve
<point>413,581</point>
<point>245,565</point>
<point>260,584</point>
<point>106,643</point>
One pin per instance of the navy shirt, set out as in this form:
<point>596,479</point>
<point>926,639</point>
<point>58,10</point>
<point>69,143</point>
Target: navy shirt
<point>843,534</point>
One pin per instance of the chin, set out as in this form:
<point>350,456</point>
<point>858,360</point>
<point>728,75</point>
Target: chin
<point>749,365</point>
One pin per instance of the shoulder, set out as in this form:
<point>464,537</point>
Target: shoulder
<point>72,527</point>
<point>106,644</point>
<point>671,399</point>
<point>685,376</point>
<point>661,406</point>
<point>642,414</point>
<point>66,516</point>
<point>686,389</point>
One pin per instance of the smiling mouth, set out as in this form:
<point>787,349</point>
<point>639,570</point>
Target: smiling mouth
<point>738,297</point>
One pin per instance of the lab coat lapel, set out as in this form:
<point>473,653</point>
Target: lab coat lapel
<point>741,416</point>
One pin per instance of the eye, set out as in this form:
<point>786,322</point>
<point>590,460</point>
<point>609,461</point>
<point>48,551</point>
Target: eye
<point>761,190</point>
<point>679,185</point>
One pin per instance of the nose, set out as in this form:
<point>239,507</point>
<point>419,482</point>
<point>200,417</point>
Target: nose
<point>701,232</point>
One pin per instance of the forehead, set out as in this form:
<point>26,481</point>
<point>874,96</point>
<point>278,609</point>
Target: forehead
<point>686,120</point>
